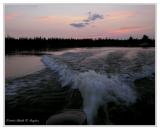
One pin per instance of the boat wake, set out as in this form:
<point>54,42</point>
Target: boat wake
<point>96,89</point>
<point>102,77</point>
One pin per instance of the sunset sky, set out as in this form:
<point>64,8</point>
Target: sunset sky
<point>80,20</point>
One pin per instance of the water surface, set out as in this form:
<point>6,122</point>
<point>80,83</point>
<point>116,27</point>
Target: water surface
<point>37,93</point>
<point>21,65</point>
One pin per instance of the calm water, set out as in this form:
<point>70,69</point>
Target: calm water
<point>21,65</point>
<point>105,74</point>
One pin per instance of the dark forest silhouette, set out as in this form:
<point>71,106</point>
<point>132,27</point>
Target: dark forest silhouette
<point>42,44</point>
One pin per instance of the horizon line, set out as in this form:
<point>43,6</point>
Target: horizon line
<point>98,38</point>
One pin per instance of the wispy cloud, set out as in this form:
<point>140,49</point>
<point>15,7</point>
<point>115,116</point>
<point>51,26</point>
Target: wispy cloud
<point>120,15</point>
<point>128,29</point>
<point>11,16</point>
<point>78,25</point>
<point>50,19</point>
<point>91,17</point>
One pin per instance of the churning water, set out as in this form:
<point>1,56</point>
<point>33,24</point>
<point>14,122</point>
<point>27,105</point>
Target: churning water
<point>102,75</point>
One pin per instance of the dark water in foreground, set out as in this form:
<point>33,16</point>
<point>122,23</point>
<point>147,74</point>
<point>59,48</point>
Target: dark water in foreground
<point>33,92</point>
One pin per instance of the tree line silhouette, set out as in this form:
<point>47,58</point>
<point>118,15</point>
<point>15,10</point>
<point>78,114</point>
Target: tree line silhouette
<point>42,44</point>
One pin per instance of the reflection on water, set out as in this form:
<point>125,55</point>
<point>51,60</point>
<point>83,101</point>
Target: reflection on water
<point>19,65</point>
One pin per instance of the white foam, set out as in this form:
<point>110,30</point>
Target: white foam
<point>96,89</point>
<point>66,75</point>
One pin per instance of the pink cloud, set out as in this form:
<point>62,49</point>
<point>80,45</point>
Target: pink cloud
<point>46,18</point>
<point>128,29</point>
<point>120,15</point>
<point>49,19</point>
<point>11,16</point>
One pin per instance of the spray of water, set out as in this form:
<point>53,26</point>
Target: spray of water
<point>96,89</point>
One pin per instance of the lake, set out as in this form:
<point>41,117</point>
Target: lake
<point>38,86</point>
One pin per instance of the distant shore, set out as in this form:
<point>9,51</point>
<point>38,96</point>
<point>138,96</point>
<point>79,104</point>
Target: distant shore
<point>44,44</point>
